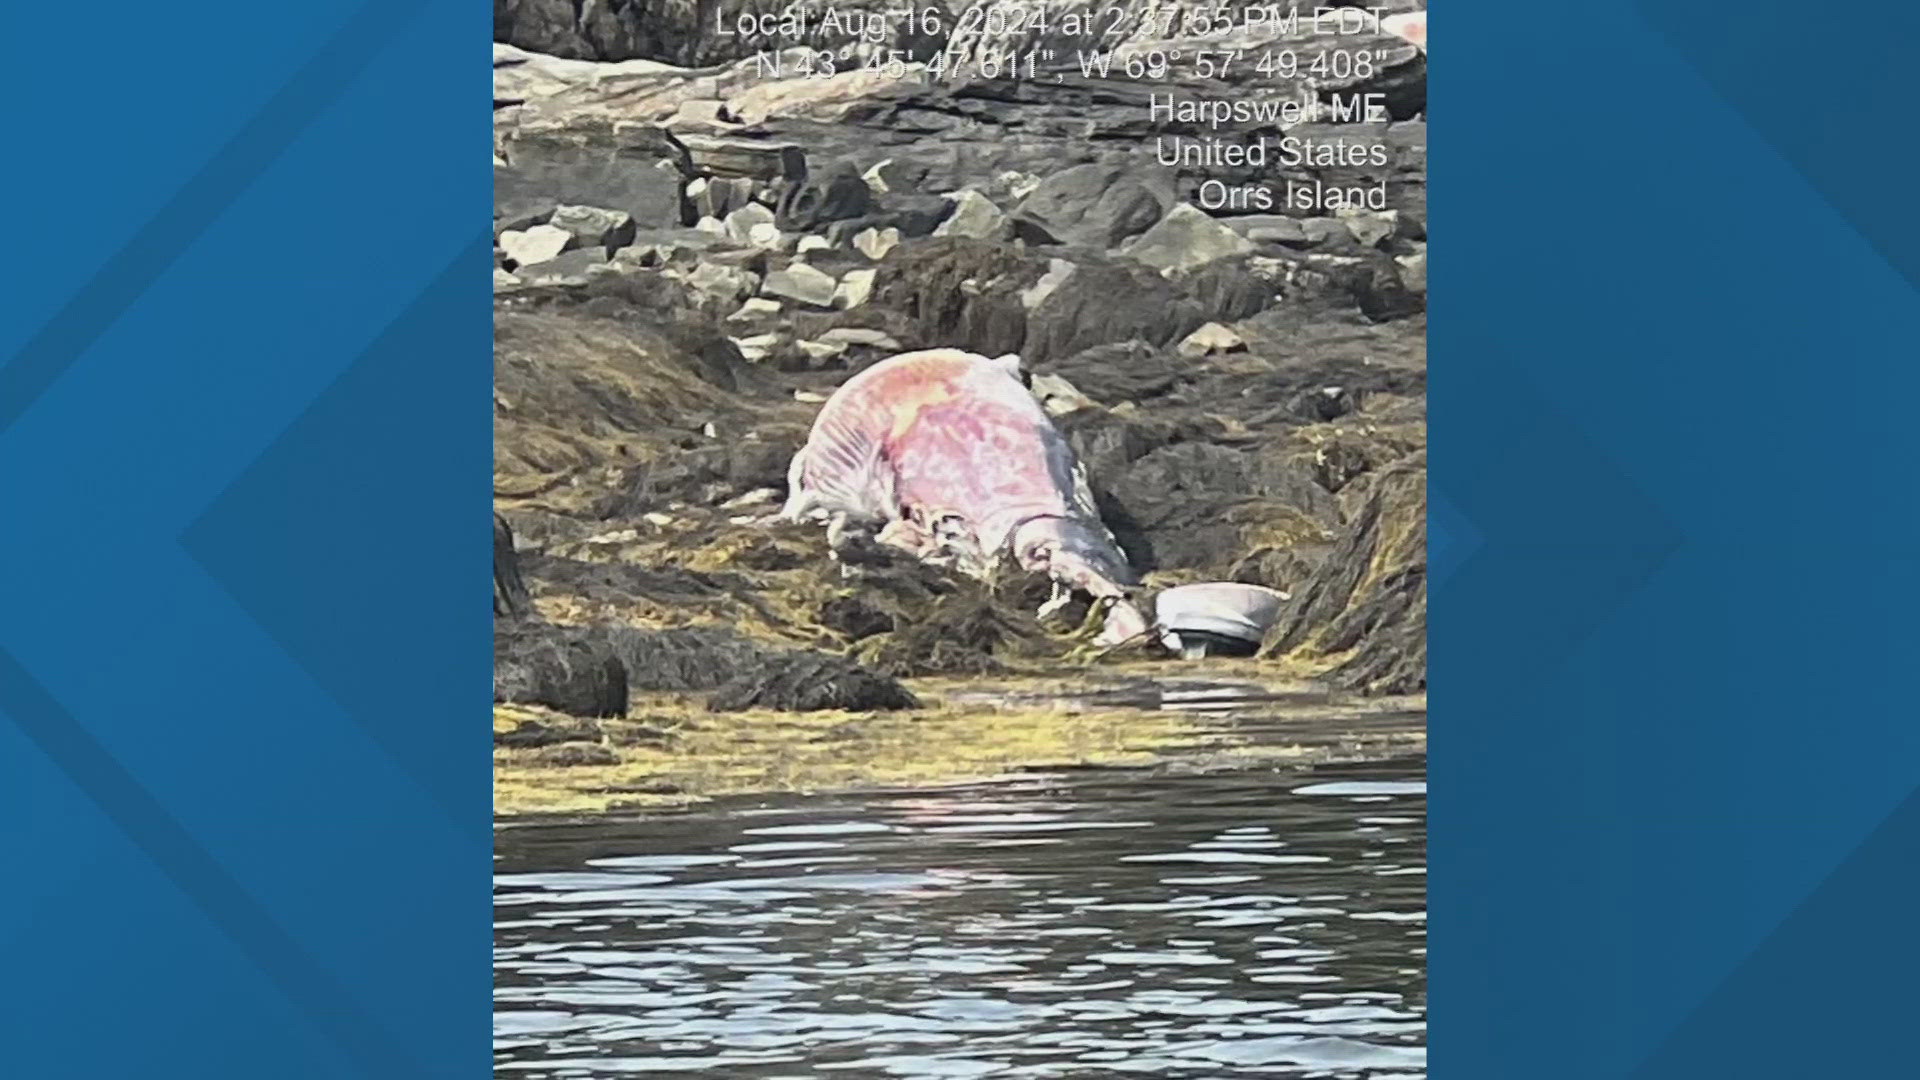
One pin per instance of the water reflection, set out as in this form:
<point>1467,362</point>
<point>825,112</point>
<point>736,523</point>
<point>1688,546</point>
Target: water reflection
<point>1097,925</point>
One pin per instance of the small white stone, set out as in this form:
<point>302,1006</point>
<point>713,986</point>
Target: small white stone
<point>802,283</point>
<point>822,350</point>
<point>535,245</point>
<point>756,307</point>
<point>875,244</point>
<point>1058,271</point>
<point>855,287</point>
<point>1209,339</point>
<point>974,215</point>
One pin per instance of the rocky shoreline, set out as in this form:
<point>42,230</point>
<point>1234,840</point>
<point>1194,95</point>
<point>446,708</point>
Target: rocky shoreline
<point>691,258</point>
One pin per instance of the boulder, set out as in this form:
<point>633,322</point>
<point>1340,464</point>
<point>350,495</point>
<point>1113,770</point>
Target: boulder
<point>1187,237</point>
<point>1370,228</point>
<point>535,245</point>
<point>973,215</point>
<point>1058,271</point>
<point>594,226</point>
<point>802,283</point>
<point>806,682</point>
<point>568,268</point>
<point>1366,605</point>
<point>562,668</point>
<point>1413,271</point>
<point>836,193</point>
<point>854,288</point>
<point>1210,339</point>
<point>637,169</point>
<point>729,283</point>
<point>748,159</point>
<point>741,222</point>
<point>875,243</point>
<point>1093,205</point>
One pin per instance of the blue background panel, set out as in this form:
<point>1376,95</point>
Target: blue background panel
<point>1677,541</point>
<point>244,446</point>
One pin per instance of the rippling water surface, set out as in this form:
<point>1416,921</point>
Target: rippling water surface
<point>1073,925</point>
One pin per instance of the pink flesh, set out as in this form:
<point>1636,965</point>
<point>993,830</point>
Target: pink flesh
<point>940,432</point>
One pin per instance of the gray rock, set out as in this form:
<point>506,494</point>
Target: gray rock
<point>1269,228</point>
<point>754,158</point>
<point>755,308</point>
<point>768,235</point>
<point>1413,271</point>
<point>636,168</point>
<point>740,223</point>
<point>595,226</point>
<point>699,197</point>
<point>1187,237</point>
<point>855,287</point>
<point>802,283</point>
<point>836,193</point>
<point>1058,271</point>
<point>535,245</point>
<point>1325,231</point>
<point>701,112</point>
<point>655,248</point>
<point>727,282</point>
<point>1092,205</point>
<point>1058,396</point>
<point>718,196</point>
<point>1369,227</point>
<point>875,243</point>
<point>822,351</point>
<point>1210,339</point>
<point>569,268</point>
<point>858,335</point>
<point>974,215</point>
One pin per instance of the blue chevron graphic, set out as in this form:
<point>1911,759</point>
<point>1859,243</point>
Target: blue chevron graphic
<point>250,872</point>
<point>1671,394</point>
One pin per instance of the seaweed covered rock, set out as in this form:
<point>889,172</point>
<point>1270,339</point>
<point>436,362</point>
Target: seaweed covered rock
<point>567,669</point>
<point>536,663</point>
<point>1364,610</point>
<point>687,658</point>
<point>966,633</point>
<point>962,292</point>
<point>627,391</point>
<point>806,682</point>
<point>1202,505</point>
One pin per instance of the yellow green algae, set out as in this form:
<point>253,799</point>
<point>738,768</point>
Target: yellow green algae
<point>669,751</point>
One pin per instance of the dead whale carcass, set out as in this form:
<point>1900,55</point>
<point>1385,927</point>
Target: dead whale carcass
<point>945,454</point>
